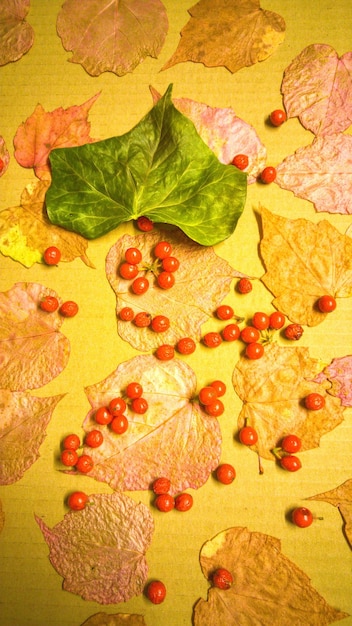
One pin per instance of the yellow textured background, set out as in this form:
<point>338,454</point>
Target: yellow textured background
<point>30,589</point>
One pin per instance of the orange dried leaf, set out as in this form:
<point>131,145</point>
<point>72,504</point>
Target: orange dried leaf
<point>266,584</point>
<point>16,35</point>
<point>116,619</point>
<point>304,261</point>
<point>229,33</point>
<point>341,497</point>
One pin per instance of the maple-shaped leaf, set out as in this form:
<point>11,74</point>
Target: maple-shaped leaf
<point>4,157</point>
<point>112,36</point>
<point>268,588</point>
<point>43,131</point>
<point>273,390</point>
<point>229,33</point>
<point>174,438</point>
<point>341,497</point>
<point>23,422</point>
<point>116,619</point>
<point>25,231</point>
<point>321,173</point>
<point>317,88</point>
<point>16,35</point>
<point>33,350</point>
<point>188,304</point>
<point>303,262</point>
<point>224,132</point>
<point>339,374</point>
<point>100,551</point>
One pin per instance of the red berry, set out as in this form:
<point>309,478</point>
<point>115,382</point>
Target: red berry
<point>139,405</point>
<point>134,390</point>
<point>278,117</point>
<point>94,439</point>
<point>69,309</point>
<point>162,249</point>
<point>290,463</point>
<point>276,320</point>
<point>165,280</point>
<point>69,457</point>
<point>161,485</point>
<point>291,443</point>
<point>133,256</point>
<point>231,332</point>
<point>254,350</point>
<point>49,304</point>
<point>268,175</point>
<point>224,312</point>
<point>248,436</point>
<point>140,285</point>
<point>71,442</point>
<point>142,319</point>
<point>250,334</point>
<point>240,161</point>
<point>119,424</point>
<point>183,502</point>
<point>212,339</point>
<point>77,500</point>
<point>260,320</point>
<point>165,352</point>
<point>2,165</point>
<point>103,416</point>
<point>215,408</point>
<point>219,387</point>
<point>225,473</point>
<point>207,395</point>
<point>326,304</point>
<point>156,592</point>
<point>128,271</point>
<point>52,255</point>
<point>160,323</point>
<point>186,345</point>
<point>244,285</point>
<point>302,517</point>
<point>145,224</point>
<point>126,314</point>
<point>314,401</point>
<point>170,264</point>
<point>222,578</point>
<point>85,464</point>
<point>117,406</point>
<point>164,502</point>
<point>293,332</point>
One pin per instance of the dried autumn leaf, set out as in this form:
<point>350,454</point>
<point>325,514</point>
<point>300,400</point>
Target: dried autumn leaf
<point>173,438</point>
<point>304,261</point>
<point>267,585</point>
<point>339,374</point>
<point>317,88</point>
<point>33,350</point>
<point>23,420</point>
<point>272,391</point>
<point>4,157</point>
<point>229,33</point>
<point>116,619</point>
<point>226,134</point>
<point>188,304</point>
<point>16,35</point>
<point>43,131</point>
<point>321,173</point>
<point>100,551</point>
<point>112,36</point>
<point>341,497</point>
<point>25,231</point>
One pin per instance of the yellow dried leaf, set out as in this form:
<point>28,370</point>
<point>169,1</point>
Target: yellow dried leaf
<point>342,498</point>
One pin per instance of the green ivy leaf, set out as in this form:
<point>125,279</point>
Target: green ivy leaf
<point>161,168</point>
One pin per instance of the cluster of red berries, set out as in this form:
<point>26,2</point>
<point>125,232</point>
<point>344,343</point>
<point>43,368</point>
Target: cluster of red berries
<point>165,502</point>
<point>164,269</point>
<point>158,323</point>
<point>209,398</point>
<point>114,413</point>
<point>49,304</point>
<point>70,457</point>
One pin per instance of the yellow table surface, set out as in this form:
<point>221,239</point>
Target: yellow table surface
<point>30,589</point>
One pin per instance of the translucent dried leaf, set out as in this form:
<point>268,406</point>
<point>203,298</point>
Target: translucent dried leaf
<point>100,551</point>
<point>188,304</point>
<point>174,437</point>
<point>112,36</point>
<point>33,350</point>
<point>4,157</point>
<point>341,497</point>
<point>317,88</point>
<point>339,374</point>
<point>25,231</point>
<point>266,584</point>
<point>229,33</point>
<point>16,35</point>
<point>321,173</point>
<point>116,619</point>
<point>272,391</point>
<point>23,422</point>
<point>42,132</point>
<point>304,261</point>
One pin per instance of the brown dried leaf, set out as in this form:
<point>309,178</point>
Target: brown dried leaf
<point>23,420</point>
<point>16,35</point>
<point>267,585</point>
<point>272,390</point>
<point>341,497</point>
<point>304,261</point>
<point>229,33</point>
<point>116,619</point>
<point>100,551</point>
<point>25,231</point>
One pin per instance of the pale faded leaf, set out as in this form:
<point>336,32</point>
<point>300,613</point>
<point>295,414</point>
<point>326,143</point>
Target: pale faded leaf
<point>23,422</point>
<point>4,157</point>
<point>100,551</point>
<point>230,33</point>
<point>112,36</point>
<point>116,619</point>
<point>174,437</point>
<point>341,497</point>
<point>304,261</point>
<point>339,375</point>
<point>16,35</point>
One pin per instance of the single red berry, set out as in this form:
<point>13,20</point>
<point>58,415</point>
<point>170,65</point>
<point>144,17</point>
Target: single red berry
<point>302,517</point>
<point>162,249</point>
<point>215,408</point>
<point>164,502</point>
<point>165,352</point>
<point>2,165</point>
<point>117,406</point>
<point>268,175</point>
<point>139,405</point>
<point>314,401</point>
<point>69,457</point>
<point>170,264</point>
<point>212,339</point>
<point>183,502</point>
<point>128,271</point>
<point>225,473</point>
<point>244,285</point>
<point>71,442</point>
<point>231,332</point>
<point>85,463</point>
<point>186,345</point>
<point>119,424</point>
<point>250,334</point>
<point>52,255</point>
<point>134,390</point>
<point>145,224</point>
<point>160,323</point>
<point>140,285</point>
<point>278,117</point>
<point>94,439</point>
<point>77,500</point>
<point>260,320</point>
<point>326,304</point>
<point>156,592</point>
<point>219,387</point>
<point>293,332</point>
<point>133,256</point>
<point>161,485</point>
<point>248,436</point>
<point>207,395</point>
<point>290,463</point>
<point>222,578</point>
<point>291,443</point>
<point>224,312</point>
<point>254,350</point>
<point>103,415</point>
<point>165,280</point>
<point>142,319</point>
<point>240,161</point>
<point>49,304</point>
<point>126,314</point>
<point>68,309</point>
<point>277,320</point>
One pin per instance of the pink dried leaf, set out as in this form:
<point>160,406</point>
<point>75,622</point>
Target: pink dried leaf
<point>188,304</point>
<point>317,88</point>
<point>116,619</point>
<point>4,157</point>
<point>339,374</point>
<point>267,585</point>
<point>112,36</point>
<point>100,551</point>
<point>23,422</point>
<point>16,35</point>
<point>33,350</point>
<point>42,132</point>
<point>321,173</point>
<point>224,132</point>
<point>174,437</point>
<point>341,497</point>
